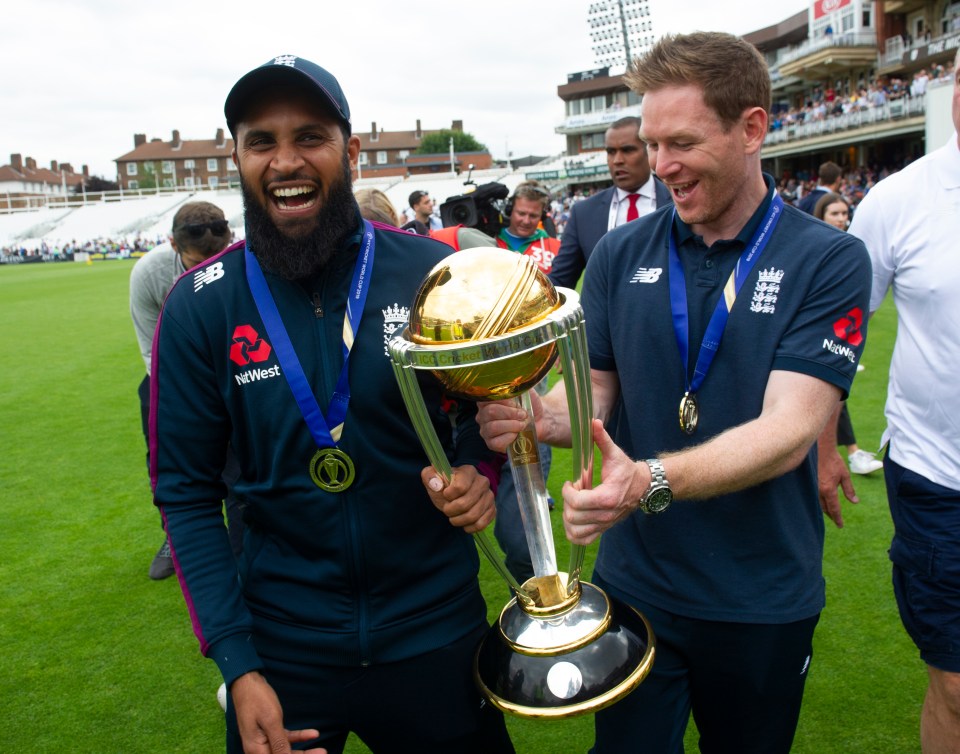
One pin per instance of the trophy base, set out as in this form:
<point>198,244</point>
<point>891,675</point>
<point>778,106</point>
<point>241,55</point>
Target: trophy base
<point>574,677</point>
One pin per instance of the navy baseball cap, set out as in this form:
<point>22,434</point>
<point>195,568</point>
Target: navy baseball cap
<point>285,68</point>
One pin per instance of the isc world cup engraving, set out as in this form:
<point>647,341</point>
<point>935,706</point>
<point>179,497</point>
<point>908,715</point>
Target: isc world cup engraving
<point>488,325</point>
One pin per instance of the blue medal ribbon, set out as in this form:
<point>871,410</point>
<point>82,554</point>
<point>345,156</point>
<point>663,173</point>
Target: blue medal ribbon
<point>325,430</point>
<point>718,320</point>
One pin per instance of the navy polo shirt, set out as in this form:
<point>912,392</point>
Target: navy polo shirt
<point>755,555</point>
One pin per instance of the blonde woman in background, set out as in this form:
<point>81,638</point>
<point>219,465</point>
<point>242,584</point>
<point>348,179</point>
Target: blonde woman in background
<point>376,207</point>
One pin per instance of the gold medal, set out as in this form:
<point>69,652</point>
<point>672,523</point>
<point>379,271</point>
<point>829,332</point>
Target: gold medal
<point>332,470</point>
<point>689,413</point>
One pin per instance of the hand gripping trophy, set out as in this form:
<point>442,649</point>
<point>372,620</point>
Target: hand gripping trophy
<point>488,324</point>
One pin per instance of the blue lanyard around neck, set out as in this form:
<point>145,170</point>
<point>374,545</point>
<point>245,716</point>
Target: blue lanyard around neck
<point>718,321</point>
<point>325,431</point>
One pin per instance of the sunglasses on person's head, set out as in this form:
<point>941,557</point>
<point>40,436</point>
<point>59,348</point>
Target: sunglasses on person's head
<point>196,230</point>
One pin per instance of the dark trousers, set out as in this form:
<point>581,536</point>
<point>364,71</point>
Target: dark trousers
<point>925,553</point>
<point>742,681</point>
<point>845,435</point>
<point>424,705</point>
<point>231,472</point>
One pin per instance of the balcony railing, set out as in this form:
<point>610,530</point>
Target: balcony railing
<point>846,39</point>
<point>904,107</point>
<point>13,202</point>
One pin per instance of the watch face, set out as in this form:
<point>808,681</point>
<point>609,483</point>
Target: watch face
<point>659,500</point>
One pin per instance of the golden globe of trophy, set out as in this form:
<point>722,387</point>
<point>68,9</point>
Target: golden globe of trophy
<point>488,324</point>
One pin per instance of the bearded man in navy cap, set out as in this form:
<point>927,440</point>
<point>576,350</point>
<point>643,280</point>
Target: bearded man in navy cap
<point>355,605</point>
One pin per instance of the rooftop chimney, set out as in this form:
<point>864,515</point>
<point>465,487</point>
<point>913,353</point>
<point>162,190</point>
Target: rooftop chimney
<point>31,164</point>
<point>66,167</point>
<point>419,134</point>
<point>374,135</point>
<point>86,171</point>
<point>176,139</point>
<point>54,167</point>
<point>16,162</point>
<point>457,125</point>
<point>221,140</point>
<point>139,139</point>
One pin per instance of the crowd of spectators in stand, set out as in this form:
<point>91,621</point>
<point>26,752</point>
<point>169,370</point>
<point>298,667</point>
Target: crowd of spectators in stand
<point>854,185</point>
<point>824,103</point>
<point>57,252</point>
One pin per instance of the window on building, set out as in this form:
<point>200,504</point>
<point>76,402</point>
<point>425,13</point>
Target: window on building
<point>189,164</point>
<point>573,107</point>
<point>591,141</point>
<point>230,165</point>
<point>131,168</point>
<point>846,22</point>
<point>133,185</point>
<point>950,21</point>
<point>403,154</point>
<point>364,159</point>
<point>188,181</point>
<point>212,165</point>
<point>149,167</point>
<point>599,103</point>
<point>213,181</point>
<point>168,182</point>
<point>381,157</point>
<point>167,166</point>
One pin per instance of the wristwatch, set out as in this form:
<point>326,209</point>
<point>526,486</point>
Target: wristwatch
<point>658,496</point>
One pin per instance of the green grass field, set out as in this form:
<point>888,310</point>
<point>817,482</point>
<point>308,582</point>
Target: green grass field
<point>98,658</point>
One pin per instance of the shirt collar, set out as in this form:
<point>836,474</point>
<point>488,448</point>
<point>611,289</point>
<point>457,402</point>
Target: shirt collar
<point>646,190</point>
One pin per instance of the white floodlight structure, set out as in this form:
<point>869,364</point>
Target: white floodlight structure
<point>619,30</point>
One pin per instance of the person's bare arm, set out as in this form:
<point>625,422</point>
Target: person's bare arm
<point>501,421</point>
<point>795,408</point>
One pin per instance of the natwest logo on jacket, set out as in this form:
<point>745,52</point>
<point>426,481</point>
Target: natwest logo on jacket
<point>248,346</point>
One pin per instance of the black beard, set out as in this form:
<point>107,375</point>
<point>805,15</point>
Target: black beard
<point>300,257</point>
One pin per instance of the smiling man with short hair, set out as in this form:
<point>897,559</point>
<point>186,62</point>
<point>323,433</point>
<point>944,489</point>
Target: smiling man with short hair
<point>724,330</point>
<point>356,600</point>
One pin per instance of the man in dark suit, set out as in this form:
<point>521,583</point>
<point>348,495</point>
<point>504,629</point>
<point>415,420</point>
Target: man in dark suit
<point>635,192</point>
<point>828,179</point>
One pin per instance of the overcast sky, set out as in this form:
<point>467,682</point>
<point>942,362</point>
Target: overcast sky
<point>80,78</point>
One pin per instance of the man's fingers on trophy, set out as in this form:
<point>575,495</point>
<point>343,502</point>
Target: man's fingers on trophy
<point>431,479</point>
<point>604,442</point>
<point>466,482</point>
<point>470,516</point>
<point>482,522</point>
<point>581,535</point>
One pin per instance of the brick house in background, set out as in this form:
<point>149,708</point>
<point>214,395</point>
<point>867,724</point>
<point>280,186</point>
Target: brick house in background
<point>393,153</point>
<point>23,184</point>
<point>194,163</point>
<point>206,162</point>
